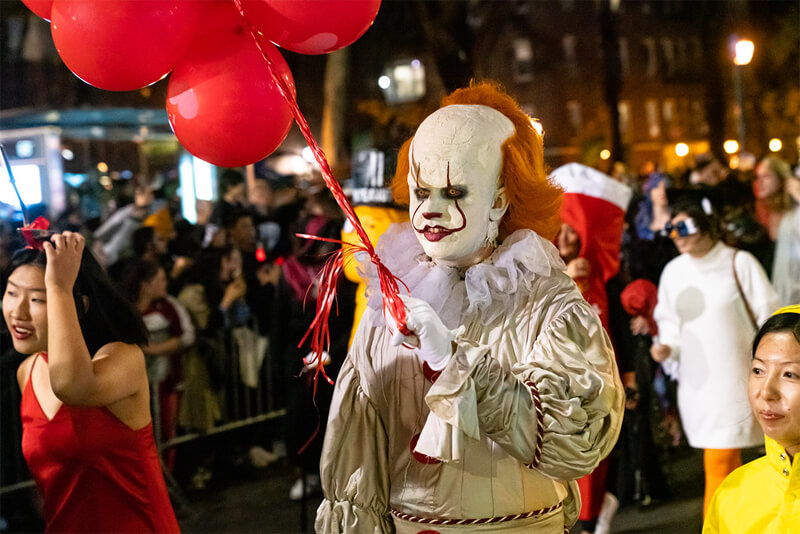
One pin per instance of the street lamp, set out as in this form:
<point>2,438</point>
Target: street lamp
<point>743,50</point>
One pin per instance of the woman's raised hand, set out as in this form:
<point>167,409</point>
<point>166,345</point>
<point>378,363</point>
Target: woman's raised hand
<point>64,252</point>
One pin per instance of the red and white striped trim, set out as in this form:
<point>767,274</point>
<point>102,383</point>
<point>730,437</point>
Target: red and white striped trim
<point>537,403</point>
<point>477,521</point>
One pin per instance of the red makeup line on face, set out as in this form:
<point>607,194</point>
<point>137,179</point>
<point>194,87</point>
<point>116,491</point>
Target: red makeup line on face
<point>434,233</point>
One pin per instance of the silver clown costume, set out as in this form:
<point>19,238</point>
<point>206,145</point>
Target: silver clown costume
<point>529,402</point>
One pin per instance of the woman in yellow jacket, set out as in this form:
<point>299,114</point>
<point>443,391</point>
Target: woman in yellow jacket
<point>764,495</point>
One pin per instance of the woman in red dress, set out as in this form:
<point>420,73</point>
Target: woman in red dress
<point>87,432</point>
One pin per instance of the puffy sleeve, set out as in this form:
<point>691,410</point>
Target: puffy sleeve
<point>761,296</point>
<point>354,462</point>
<point>558,409</point>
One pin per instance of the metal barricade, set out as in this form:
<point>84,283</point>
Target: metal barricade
<point>242,404</point>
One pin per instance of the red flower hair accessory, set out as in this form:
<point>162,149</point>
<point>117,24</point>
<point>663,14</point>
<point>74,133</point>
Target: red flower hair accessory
<point>36,233</point>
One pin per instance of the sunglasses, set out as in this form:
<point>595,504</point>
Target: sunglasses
<point>682,228</point>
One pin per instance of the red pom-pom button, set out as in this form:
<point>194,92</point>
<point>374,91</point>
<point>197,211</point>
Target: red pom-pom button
<point>429,373</point>
<point>421,458</point>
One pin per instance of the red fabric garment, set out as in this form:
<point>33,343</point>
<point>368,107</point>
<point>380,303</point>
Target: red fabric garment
<point>640,298</point>
<point>594,206</point>
<point>95,474</point>
<point>593,489</point>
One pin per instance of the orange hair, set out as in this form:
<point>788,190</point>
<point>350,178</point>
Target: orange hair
<point>534,202</point>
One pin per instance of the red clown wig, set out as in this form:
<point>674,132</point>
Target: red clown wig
<point>534,202</point>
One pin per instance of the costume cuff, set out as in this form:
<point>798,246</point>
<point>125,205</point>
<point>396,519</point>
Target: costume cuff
<point>454,406</point>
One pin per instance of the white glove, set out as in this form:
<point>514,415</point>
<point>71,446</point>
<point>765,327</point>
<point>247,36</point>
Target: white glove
<point>311,360</point>
<point>432,339</point>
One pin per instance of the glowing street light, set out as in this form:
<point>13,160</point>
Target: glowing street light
<point>681,149</point>
<point>743,52</point>
<point>605,154</point>
<point>731,146</point>
<point>775,144</point>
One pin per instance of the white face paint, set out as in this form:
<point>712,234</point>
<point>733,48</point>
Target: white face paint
<point>455,161</point>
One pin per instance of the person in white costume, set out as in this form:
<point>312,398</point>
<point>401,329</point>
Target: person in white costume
<point>507,391</point>
<point>786,266</point>
<point>705,331</point>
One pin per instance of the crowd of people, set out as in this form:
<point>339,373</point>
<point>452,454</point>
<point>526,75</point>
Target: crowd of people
<point>681,270</point>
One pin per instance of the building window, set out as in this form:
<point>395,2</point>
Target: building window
<point>698,121</point>
<point>668,57</point>
<point>650,56</point>
<point>575,117</point>
<point>624,57</point>
<point>695,56</point>
<point>668,116</point>
<point>681,57</point>
<point>651,114</point>
<point>403,81</point>
<point>568,45</point>
<point>624,110</point>
<point>523,60</point>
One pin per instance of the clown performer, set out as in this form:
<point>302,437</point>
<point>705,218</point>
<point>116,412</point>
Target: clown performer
<point>373,204</point>
<point>506,391</point>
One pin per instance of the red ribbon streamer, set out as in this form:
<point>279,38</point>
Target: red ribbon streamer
<point>392,304</point>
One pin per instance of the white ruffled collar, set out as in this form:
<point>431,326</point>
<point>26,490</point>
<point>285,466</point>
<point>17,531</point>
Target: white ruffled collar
<point>486,289</point>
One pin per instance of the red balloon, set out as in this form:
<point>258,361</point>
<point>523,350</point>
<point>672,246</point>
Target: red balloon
<point>222,103</point>
<point>312,26</point>
<point>122,45</point>
<point>40,7</point>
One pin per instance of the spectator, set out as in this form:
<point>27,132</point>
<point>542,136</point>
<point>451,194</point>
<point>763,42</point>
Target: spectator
<point>786,269</point>
<point>772,198</point>
<point>233,196</point>
<point>705,300</point>
<point>114,235</point>
<point>171,333</point>
<point>213,291</point>
<point>297,298</point>
<point>763,496</point>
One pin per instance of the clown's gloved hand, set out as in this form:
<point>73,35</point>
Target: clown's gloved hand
<point>432,339</point>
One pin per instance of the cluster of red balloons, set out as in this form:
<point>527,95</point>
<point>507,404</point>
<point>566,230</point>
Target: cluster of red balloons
<point>222,102</point>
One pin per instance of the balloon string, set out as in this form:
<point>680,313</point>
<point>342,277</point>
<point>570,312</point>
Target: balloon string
<point>392,304</point>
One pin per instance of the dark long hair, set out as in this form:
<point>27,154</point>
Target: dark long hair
<point>206,271</point>
<point>106,316</point>
<point>142,272</point>
<point>782,322</point>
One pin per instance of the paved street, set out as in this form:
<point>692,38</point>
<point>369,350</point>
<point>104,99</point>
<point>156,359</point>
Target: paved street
<point>261,504</point>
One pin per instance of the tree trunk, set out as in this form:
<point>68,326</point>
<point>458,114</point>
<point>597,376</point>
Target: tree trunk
<point>334,109</point>
<point>612,75</point>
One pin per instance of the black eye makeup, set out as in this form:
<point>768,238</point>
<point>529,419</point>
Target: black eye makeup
<point>421,193</point>
<point>454,192</point>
